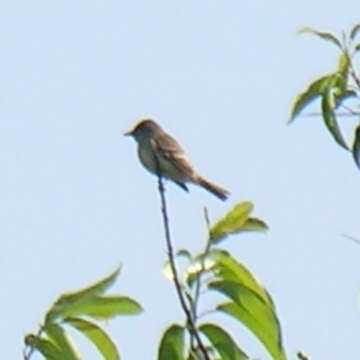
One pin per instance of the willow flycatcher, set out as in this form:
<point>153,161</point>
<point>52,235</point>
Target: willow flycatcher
<point>162,155</point>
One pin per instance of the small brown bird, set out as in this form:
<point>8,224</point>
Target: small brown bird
<point>159,152</point>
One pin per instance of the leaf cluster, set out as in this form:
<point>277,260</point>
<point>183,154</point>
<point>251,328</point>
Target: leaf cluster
<point>81,310</point>
<point>335,89</point>
<point>216,271</point>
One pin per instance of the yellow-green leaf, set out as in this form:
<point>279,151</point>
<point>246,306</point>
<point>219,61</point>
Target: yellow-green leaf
<point>323,35</point>
<point>231,223</point>
<point>227,268</point>
<point>46,347</point>
<point>355,30</point>
<point>254,224</point>
<point>172,344</point>
<point>97,336</point>
<point>64,305</point>
<point>106,307</point>
<point>58,336</point>
<point>223,342</point>
<point>258,316</point>
<point>328,103</point>
<point>313,91</point>
<point>343,66</point>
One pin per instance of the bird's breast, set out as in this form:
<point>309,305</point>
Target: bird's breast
<point>147,157</point>
<point>167,167</point>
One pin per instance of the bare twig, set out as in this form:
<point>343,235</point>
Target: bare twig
<point>352,238</point>
<point>195,301</point>
<point>207,312</point>
<point>350,110</point>
<point>341,114</point>
<point>354,75</point>
<point>187,311</point>
<point>202,263</point>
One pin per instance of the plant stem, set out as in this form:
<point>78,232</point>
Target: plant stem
<point>189,318</point>
<point>195,301</point>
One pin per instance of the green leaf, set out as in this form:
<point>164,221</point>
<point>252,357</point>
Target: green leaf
<point>354,32</point>
<point>63,306</point>
<point>347,94</point>
<point>105,307</point>
<point>313,91</point>
<point>58,336</point>
<point>97,336</point>
<point>251,310</point>
<point>172,344</point>
<point>227,268</point>
<point>223,342</point>
<point>197,353</point>
<point>356,147</point>
<point>231,223</point>
<point>254,224</point>
<point>323,35</point>
<point>46,347</point>
<point>264,332</point>
<point>343,67</point>
<point>328,103</point>
<point>357,48</point>
<point>184,253</point>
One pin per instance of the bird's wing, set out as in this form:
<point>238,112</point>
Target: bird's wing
<point>171,151</point>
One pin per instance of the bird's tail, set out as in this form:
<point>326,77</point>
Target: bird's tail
<point>214,189</point>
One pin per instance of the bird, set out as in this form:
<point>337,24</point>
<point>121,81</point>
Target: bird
<point>162,155</point>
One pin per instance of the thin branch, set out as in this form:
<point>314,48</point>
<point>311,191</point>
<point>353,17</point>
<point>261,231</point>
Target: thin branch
<point>350,110</point>
<point>195,301</point>
<point>207,312</point>
<point>355,240</point>
<point>354,75</point>
<point>187,311</point>
<point>202,263</point>
<point>341,114</point>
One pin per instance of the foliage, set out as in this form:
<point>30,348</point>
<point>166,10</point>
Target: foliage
<point>215,270</point>
<point>335,89</point>
<point>81,310</point>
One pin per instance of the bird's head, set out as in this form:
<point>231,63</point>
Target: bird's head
<point>143,129</point>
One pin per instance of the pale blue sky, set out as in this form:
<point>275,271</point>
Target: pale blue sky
<point>218,75</point>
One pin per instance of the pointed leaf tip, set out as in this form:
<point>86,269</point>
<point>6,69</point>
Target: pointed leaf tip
<point>313,91</point>
<point>107,307</point>
<point>224,344</point>
<point>255,224</point>
<point>258,316</point>
<point>69,303</point>
<point>232,222</point>
<point>97,336</point>
<point>323,35</point>
<point>354,32</point>
<point>328,105</point>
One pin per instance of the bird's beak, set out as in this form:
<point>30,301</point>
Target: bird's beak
<point>128,133</point>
